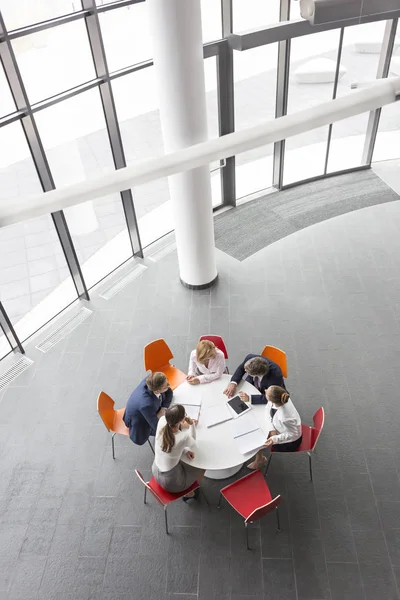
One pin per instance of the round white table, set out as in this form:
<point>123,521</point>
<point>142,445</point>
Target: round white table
<point>217,451</point>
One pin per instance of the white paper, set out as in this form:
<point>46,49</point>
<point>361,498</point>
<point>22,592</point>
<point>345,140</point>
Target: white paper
<point>251,441</point>
<point>219,413</point>
<point>191,401</point>
<point>246,424</point>
<point>192,411</point>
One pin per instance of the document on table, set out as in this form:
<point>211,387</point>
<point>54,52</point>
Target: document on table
<point>247,434</point>
<point>214,415</point>
<point>192,411</point>
<point>194,400</point>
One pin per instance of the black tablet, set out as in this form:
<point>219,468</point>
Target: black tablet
<point>238,405</point>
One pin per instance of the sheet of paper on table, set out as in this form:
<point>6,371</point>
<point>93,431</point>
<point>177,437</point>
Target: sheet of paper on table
<point>192,411</point>
<point>247,424</point>
<point>214,415</point>
<point>250,442</point>
<point>192,401</point>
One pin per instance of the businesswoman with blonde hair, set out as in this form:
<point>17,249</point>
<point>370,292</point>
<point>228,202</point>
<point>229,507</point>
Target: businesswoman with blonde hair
<point>206,363</point>
<point>175,437</point>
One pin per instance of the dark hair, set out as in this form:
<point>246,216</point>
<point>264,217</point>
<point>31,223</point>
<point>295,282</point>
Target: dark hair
<point>174,415</point>
<point>155,381</point>
<point>256,367</point>
<point>278,395</point>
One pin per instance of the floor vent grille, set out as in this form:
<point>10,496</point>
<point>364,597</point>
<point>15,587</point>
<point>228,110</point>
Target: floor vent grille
<point>156,256</point>
<point>120,283</point>
<point>16,369</point>
<point>64,329</point>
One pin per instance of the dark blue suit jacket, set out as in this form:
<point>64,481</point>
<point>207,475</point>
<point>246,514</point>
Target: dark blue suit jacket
<point>141,412</point>
<point>273,377</point>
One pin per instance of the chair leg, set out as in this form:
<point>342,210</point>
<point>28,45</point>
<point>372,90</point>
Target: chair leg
<point>247,537</point>
<point>145,495</point>
<point>267,465</point>
<point>277,519</point>
<point>152,449</point>
<point>166,519</point>
<point>219,501</point>
<point>112,445</point>
<point>310,464</point>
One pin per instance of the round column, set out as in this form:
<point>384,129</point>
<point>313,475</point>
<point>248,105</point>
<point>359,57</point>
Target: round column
<point>178,60</point>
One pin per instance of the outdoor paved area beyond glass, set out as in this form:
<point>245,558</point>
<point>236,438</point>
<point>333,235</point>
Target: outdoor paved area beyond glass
<point>73,524</point>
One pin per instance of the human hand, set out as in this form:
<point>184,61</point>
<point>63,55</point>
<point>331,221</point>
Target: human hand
<point>244,397</point>
<point>268,443</point>
<point>193,381</point>
<point>189,377</point>
<point>272,432</point>
<point>185,424</point>
<point>230,390</point>
<point>161,412</point>
<point>190,454</point>
<point>189,420</point>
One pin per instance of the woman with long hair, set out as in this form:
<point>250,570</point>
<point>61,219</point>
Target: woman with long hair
<point>175,437</point>
<point>206,363</point>
<point>284,424</point>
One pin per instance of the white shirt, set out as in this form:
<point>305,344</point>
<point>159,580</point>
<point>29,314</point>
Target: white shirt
<point>184,440</point>
<point>286,421</point>
<point>215,369</point>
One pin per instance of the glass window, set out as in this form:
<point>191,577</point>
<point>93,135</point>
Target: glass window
<point>211,20</point>
<point>360,56</point>
<point>5,347</point>
<point>313,61</point>
<point>26,12</point>
<point>255,14</point>
<point>255,90</point>
<point>35,283</point>
<point>7,105</point>
<point>54,60</point>
<point>75,138</point>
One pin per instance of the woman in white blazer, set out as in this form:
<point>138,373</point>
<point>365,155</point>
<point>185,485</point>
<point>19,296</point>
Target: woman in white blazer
<point>284,425</point>
<point>206,363</point>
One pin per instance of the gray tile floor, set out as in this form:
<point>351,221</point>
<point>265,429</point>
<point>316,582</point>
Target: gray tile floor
<point>73,525</point>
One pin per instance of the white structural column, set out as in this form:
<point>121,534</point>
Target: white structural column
<point>178,60</point>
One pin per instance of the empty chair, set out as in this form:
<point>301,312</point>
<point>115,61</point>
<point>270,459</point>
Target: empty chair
<point>157,355</point>
<point>277,356</point>
<point>310,438</point>
<point>219,343</point>
<point>251,498</point>
<point>161,495</point>
<point>112,418</point>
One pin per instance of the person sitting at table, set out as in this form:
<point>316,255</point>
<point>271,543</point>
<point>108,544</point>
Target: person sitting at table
<point>284,425</point>
<point>260,372</point>
<point>176,436</point>
<point>147,403</point>
<point>206,363</point>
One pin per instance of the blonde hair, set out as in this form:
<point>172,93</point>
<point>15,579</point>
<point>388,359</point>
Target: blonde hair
<point>277,395</point>
<point>155,381</point>
<point>204,350</point>
<point>173,415</point>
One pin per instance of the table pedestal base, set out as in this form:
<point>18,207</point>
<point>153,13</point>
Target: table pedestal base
<point>222,473</point>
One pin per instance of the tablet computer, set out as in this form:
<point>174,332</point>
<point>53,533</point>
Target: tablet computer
<point>238,406</point>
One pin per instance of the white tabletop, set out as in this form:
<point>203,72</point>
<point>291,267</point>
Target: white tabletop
<point>216,448</point>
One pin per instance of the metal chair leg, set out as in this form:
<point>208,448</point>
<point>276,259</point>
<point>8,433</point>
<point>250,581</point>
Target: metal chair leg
<point>310,464</point>
<point>166,519</point>
<point>145,495</point>
<point>152,449</point>
<point>247,536</point>
<point>277,519</point>
<point>219,501</point>
<point>112,445</point>
<point>267,465</point>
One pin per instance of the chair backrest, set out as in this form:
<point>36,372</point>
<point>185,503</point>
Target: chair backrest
<point>146,485</point>
<point>156,354</point>
<point>277,356</point>
<point>263,510</point>
<point>217,341</point>
<point>105,408</point>
<point>319,420</point>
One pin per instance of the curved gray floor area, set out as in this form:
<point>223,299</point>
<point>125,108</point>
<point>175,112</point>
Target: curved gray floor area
<point>248,228</point>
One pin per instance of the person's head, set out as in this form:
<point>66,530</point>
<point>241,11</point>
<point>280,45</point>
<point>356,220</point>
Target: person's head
<point>157,382</point>
<point>204,351</point>
<point>277,395</point>
<point>256,367</point>
<point>174,416</point>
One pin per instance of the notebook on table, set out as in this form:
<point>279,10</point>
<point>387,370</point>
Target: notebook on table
<point>247,434</point>
<point>192,411</point>
<point>217,414</point>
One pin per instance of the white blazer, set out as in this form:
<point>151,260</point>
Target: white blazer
<point>286,421</point>
<point>215,369</point>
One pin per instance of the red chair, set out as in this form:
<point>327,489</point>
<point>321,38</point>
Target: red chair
<point>310,438</point>
<point>251,498</point>
<point>162,496</point>
<point>157,355</point>
<point>218,343</point>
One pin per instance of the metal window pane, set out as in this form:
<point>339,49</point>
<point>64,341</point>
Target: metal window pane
<point>21,13</point>
<point>35,283</point>
<point>76,142</point>
<point>7,104</point>
<point>54,60</point>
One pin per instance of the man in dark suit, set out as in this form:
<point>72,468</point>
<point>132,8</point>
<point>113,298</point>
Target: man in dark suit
<point>259,371</point>
<point>147,403</point>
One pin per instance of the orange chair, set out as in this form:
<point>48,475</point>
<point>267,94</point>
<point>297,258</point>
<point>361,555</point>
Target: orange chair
<point>309,439</point>
<point>277,356</point>
<point>112,418</point>
<point>218,343</point>
<point>157,355</point>
<point>251,498</point>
